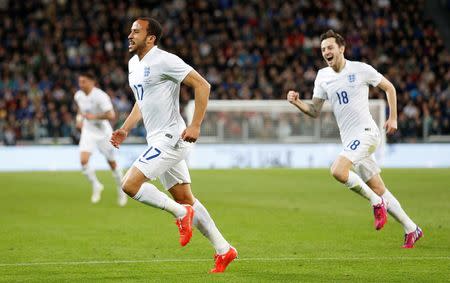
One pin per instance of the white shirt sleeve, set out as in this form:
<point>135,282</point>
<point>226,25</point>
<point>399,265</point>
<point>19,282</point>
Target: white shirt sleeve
<point>105,102</point>
<point>175,68</point>
<point>318,91</point>
<point>371,76</point>
<point>77,96</point>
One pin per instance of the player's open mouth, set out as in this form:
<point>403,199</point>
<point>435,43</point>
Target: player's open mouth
<point>130,44</point>
<point>329,59</point>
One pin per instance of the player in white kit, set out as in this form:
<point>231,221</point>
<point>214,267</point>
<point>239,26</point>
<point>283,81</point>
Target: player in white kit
<point>94,112</point>
<point>345,84</point>
<point>155,77</point>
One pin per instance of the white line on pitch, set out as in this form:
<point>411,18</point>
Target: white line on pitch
<point>201,259</point>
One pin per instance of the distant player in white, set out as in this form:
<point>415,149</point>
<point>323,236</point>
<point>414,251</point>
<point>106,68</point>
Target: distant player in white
<point>94,112</point>
<point>346,85</point>
<point>155,77</point>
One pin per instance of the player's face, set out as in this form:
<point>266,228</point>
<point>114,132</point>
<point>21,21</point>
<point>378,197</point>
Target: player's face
<point>331,52</point>
<point>138,37</point>
<point>85,84</point>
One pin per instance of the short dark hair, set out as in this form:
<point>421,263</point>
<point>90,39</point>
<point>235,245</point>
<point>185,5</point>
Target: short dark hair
<point>331,33</point>
<point>88,74</point>
<point>153,28</point>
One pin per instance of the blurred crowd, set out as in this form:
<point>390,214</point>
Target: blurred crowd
<point>256,49</point>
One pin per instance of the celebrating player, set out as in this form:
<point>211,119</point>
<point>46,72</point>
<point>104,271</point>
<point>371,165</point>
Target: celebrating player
<point>346,85</point>
<point>94,111</point>
<point>155,77</point>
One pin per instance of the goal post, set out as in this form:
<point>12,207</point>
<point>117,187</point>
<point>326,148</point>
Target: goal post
<point>272,121</point>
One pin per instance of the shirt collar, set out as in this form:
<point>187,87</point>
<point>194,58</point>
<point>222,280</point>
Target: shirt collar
<point>150,52</point>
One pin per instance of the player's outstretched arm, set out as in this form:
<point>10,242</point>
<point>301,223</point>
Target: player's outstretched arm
<point>119,135</point>
<point>201,90</point>
<point>311,109</point>
<point>391,94</point>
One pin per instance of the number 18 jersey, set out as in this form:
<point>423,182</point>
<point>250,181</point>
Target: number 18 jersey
<point>96,102</point>
<point>348,93</point>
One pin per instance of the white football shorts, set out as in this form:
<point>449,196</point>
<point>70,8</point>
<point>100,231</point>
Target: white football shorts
<point>166,162</point>
<point>90,141</point>
<point>360,151</point>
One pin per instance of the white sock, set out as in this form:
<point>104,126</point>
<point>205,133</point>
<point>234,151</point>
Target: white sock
<point>90,175</point>
<point>356,184</point>
<point>395,209</point>
<point>205,224</point>
<point>117,174</point>
<point>150,195</point>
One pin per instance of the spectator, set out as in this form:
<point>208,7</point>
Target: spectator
<point>246,49</point>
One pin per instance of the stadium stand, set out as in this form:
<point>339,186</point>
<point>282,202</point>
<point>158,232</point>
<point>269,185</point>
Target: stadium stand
<point>245,49</point>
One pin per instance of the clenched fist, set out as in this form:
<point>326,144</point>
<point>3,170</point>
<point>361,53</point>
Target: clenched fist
<point>292,96</point>
<point>191,134</point>
<point>390,126</point>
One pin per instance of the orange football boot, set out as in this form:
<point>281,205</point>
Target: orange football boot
<point>185,226</point>
<point>222,261</point>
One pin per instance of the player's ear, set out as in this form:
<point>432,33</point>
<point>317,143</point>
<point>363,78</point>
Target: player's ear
<point>150,38</point>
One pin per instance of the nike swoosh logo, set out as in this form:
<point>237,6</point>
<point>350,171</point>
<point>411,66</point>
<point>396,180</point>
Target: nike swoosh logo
<point>142,161</point>
<point>129,73</point>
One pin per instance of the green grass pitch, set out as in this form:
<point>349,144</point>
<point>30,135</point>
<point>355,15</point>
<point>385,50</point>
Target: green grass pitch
<point>288,225</point>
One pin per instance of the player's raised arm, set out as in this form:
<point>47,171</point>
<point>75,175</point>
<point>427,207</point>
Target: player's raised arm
<point>119,135</point>
<point>391,94</point>
<point>201,90</point>
<point>311,109</point>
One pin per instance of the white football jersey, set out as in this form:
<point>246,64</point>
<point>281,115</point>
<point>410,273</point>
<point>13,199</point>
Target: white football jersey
<point>348,93</point>
<point>155,81</point>
<point>97,102</point>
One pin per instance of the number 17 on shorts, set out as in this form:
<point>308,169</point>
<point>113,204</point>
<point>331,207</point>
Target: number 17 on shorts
<point>150,163</point>
<point>149,154</point>
<point>155,161</point>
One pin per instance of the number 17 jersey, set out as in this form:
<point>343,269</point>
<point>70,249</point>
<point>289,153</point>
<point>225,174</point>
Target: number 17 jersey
<point>155,81</point>
<point>348,93</point>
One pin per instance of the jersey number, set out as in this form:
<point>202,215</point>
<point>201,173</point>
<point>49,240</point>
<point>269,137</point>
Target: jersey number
<point>139,91</point>
<point>148,155</point>
<point>354,144</point>
<point>343,98</point>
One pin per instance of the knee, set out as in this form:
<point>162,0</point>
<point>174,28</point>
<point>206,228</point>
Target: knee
<point>339,174</point>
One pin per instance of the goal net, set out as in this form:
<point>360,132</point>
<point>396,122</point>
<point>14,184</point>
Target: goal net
<point>271,121</point>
